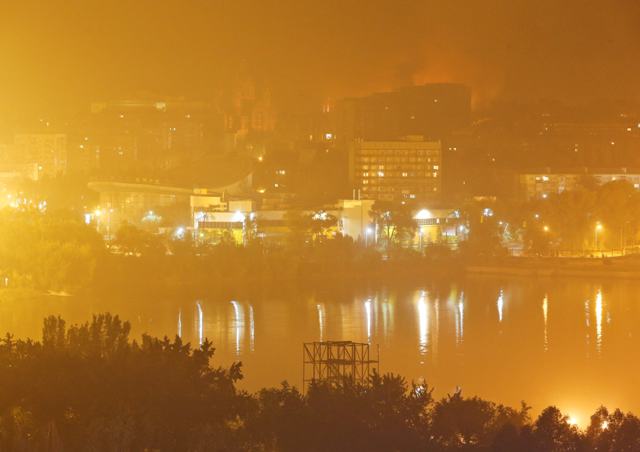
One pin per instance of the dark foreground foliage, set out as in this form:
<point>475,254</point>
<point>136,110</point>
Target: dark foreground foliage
<point>91,388</point>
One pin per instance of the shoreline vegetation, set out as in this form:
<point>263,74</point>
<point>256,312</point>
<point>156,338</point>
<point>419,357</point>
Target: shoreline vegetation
<point>56,254</point>
<point>90,387</point>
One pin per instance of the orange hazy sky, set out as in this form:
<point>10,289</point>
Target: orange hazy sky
<point>61,54</point>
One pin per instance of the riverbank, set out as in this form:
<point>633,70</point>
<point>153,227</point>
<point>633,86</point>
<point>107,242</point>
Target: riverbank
<point>615,267</point>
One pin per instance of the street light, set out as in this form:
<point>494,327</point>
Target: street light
<point>545,228</point>
<point>597,230</point>
<point>368,231</point>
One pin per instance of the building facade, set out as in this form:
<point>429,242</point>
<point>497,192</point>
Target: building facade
<point>403,170</point>
<point>431,110</point>
<point>40,154</point>
<point>539,185</point>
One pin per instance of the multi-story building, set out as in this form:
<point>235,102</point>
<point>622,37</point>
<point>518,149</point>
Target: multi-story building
<point>433,111</point>
<point>402,170</point>
<point>148,204</point>
<point>39,154</point>
<point>541,184</point>
<point>140,204</point>
<point>141,136</point>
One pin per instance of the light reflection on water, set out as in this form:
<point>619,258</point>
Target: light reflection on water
<point>598,312</point>
<point>321,315</point>
<point>200,321</point>
<point>483,335</point>
<point>460,319</point>
<point>238,326</point>
<point>423,323</point>
<point>545,316</point>
<point>368,314</point>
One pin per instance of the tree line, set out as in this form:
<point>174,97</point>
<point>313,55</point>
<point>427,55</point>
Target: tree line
<point>90,387</point>
<point>590,218</point>
<point>55,251</point>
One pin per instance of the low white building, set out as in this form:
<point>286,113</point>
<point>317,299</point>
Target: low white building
<point>539,185</point>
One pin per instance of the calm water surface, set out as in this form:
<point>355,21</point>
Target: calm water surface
<point>571,342</point>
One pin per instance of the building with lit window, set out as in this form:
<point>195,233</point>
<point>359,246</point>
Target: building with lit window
<point>539,185</point>
<point>141,136</point>
<point>152,206</point>
<point>433,110</point>
<point>401,170</point>
<point>439,227</point>
<point>217,217</point>
<point>39,154</point>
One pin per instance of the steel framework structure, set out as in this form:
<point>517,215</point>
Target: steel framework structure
<point>337,361</point>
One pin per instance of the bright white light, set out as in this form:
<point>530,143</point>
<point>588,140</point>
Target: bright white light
<point>500,305</point>
<point>238,217</point>
<point>598,314</point>
<point>423,323</point>
<point>367,309</point>
<point>545,314</point>
<point>200,324</point>
<point>423,214</point>
<point>151,216</point>
<point>460,319</point>
<point>321,216</point>
<point>252,329</point>
<point>321,315</point>
<point>238,321</point>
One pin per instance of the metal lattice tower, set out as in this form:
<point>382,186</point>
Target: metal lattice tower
<point>337,361</point>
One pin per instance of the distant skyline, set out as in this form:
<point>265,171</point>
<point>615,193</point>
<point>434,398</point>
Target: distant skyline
<point>60,55</point>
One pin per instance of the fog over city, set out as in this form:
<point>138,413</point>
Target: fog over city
<point>60,54</point>
<point>319,225</point>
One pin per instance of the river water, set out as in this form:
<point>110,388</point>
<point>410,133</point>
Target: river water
<point>573,343</point>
